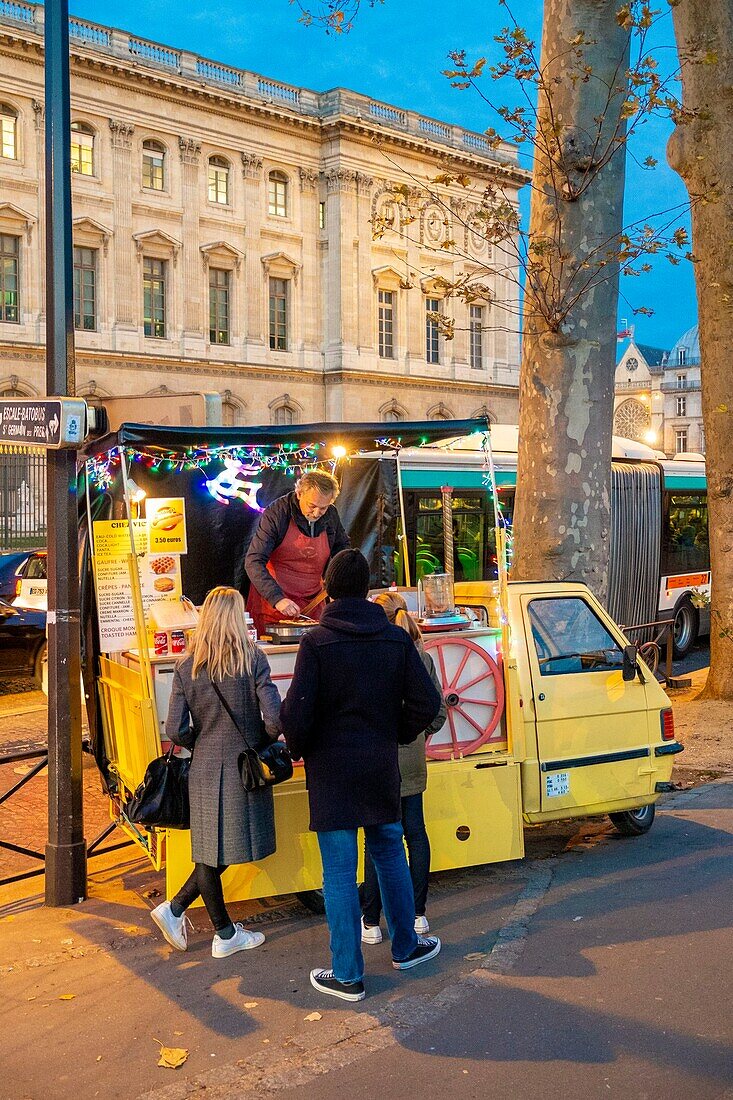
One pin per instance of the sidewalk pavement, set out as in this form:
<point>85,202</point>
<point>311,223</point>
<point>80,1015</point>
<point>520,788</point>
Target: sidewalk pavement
<point>604,970</point>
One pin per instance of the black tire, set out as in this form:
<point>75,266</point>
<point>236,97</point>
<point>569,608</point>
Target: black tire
<point>39,664</point>
<point>634,822</point>
<point>313,901</point>
<point>685,629</point>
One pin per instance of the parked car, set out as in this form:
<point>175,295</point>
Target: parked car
<point>31,582</point>
<point>22,642</point>
<point>10,563</point>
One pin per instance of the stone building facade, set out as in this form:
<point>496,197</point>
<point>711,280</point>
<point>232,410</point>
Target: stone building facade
<point>237,235</point>
<point>658,395</point>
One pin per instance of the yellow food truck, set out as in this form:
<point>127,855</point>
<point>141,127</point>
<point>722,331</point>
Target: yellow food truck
<point>551,714</point>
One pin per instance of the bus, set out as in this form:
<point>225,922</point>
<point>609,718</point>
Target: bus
<point>660,561</point>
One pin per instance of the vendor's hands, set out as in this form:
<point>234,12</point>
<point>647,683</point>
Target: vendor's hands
<point>288,608</point>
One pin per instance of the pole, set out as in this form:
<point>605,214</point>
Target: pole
<point>448,554</point>
<point>403,534</point>
<point>66,871</point>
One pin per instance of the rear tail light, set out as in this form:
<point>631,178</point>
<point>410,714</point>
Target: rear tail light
<point>18,586</point>
<point>666,720</point>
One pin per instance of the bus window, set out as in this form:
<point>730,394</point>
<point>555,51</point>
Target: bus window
<point>474,551</point>
<point>685,546</point>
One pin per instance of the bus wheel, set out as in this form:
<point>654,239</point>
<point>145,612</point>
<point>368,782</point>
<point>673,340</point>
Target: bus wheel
<point>313,901</point>
<point>634,822</point>
<point>686,625</point>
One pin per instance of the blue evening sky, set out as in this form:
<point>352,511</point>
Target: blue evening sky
<point>396,53</point>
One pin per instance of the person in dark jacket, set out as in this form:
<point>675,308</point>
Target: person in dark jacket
<point>297,536</point>
<point>359,690</point>
<point>228,824</point>
<point>414,775</point>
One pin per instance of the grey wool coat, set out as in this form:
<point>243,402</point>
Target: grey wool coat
<point>413,765</point>
<point>228,824</point>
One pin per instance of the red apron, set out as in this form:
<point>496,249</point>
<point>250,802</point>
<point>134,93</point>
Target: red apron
<point>297,565</point>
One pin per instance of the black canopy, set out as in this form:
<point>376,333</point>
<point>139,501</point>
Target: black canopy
<point>354,437</point>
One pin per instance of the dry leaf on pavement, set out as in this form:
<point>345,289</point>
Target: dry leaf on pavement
<point>171,1057</point>
<point>475,955</point>
<point>312,1016</point>
<point>67,996</point>
<point>251,1004</point>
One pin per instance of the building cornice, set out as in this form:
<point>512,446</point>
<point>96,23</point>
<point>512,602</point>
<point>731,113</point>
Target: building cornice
<point>101,54</point>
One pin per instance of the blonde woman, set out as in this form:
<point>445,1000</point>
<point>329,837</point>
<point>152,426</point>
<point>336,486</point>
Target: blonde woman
<point>228,824</point>
<point>414,776</point>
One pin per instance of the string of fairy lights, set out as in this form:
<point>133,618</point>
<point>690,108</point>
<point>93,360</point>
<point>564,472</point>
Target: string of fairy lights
<point>240,465</point>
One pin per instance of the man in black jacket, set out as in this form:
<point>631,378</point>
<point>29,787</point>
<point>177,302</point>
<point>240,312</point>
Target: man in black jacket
<point>296,537</point>
<point>359,690</point>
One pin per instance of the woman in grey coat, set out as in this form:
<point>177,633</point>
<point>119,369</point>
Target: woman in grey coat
<point>228,824</point>
<point>414,781</point>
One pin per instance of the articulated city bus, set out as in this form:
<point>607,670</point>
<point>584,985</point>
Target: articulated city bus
<point>660,562</point>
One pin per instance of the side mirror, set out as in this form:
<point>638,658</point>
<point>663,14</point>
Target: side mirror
<point>630,662</point>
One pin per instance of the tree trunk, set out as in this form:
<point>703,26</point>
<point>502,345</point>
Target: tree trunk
<point>702,152</point>
<point>562,514</point>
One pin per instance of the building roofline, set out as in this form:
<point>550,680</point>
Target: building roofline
<point>111,48</point>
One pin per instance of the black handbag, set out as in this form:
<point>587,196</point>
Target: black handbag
<point>265,768</point>
<point>162,797</point>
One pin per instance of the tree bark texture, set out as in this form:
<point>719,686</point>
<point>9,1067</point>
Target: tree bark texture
<point>562,513</point>
<point>702,152</point>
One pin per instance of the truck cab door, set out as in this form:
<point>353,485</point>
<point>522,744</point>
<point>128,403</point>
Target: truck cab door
<point>592,726</point>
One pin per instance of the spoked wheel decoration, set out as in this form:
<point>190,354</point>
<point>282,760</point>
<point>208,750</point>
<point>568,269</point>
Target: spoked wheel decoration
<point>473,687</point>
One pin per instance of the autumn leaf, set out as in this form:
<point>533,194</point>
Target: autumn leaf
<point>312,1017</point>
<point>67,996</point>
<point>171,1057</point>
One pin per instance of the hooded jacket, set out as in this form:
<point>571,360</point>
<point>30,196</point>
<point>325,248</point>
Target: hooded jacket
<point>272,529</point>
<point>359,690</point>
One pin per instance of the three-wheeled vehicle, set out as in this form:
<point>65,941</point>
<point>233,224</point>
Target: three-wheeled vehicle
<point>550,712</point>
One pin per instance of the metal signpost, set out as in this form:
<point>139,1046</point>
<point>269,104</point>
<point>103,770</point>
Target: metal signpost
<point>66,874</point>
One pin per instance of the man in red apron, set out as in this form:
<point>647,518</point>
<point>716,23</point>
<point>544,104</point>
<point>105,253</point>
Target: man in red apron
<point>297,536</point>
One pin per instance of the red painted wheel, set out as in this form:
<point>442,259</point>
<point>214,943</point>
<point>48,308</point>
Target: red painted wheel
<point>473,686</point>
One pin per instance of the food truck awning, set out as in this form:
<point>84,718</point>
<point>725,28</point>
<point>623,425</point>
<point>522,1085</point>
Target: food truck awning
<point>354,437</point>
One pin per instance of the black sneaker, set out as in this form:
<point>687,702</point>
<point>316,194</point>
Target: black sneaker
<point>347,991</point>
<point>427,948</point>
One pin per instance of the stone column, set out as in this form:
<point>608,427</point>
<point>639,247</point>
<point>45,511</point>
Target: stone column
<point>366,329</point>
<point>191,312</point>
<point>255,323</point>
<point>38,255</point>
<point>310,284</point>
<point>123,289</point>
<point>341,295</point>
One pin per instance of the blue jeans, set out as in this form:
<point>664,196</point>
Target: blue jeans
<point>339,854</point>
<point>418,850</point>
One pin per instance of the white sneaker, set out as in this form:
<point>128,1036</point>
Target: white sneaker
<point>370,934</point>
<point>172,927</point>
<point>421,926</point>
<point>242,940</point>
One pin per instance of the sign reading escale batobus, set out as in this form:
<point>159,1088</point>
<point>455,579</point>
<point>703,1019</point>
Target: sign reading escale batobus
<point>54,423</point>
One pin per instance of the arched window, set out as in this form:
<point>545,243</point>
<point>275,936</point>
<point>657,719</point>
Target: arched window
<point>82,148</point>
<point>232,410</point>
<point>632,419</point>
<point>284,414</point>
<point>392,412</point>
<point>154,165</point>
<point>8,132</point>
<point>219,180</point>
<point>440,412</point>
<point>277,194</point>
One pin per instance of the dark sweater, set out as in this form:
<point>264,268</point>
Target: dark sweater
<point>271,531</point>
<point>359,690</point>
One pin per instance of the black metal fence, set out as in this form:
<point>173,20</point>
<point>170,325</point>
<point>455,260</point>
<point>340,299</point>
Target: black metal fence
<point>22,498</point>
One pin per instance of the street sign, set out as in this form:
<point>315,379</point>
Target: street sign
<point>53,423</point>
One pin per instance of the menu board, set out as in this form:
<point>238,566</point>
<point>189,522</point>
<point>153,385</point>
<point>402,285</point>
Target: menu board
<point>160,579</point>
